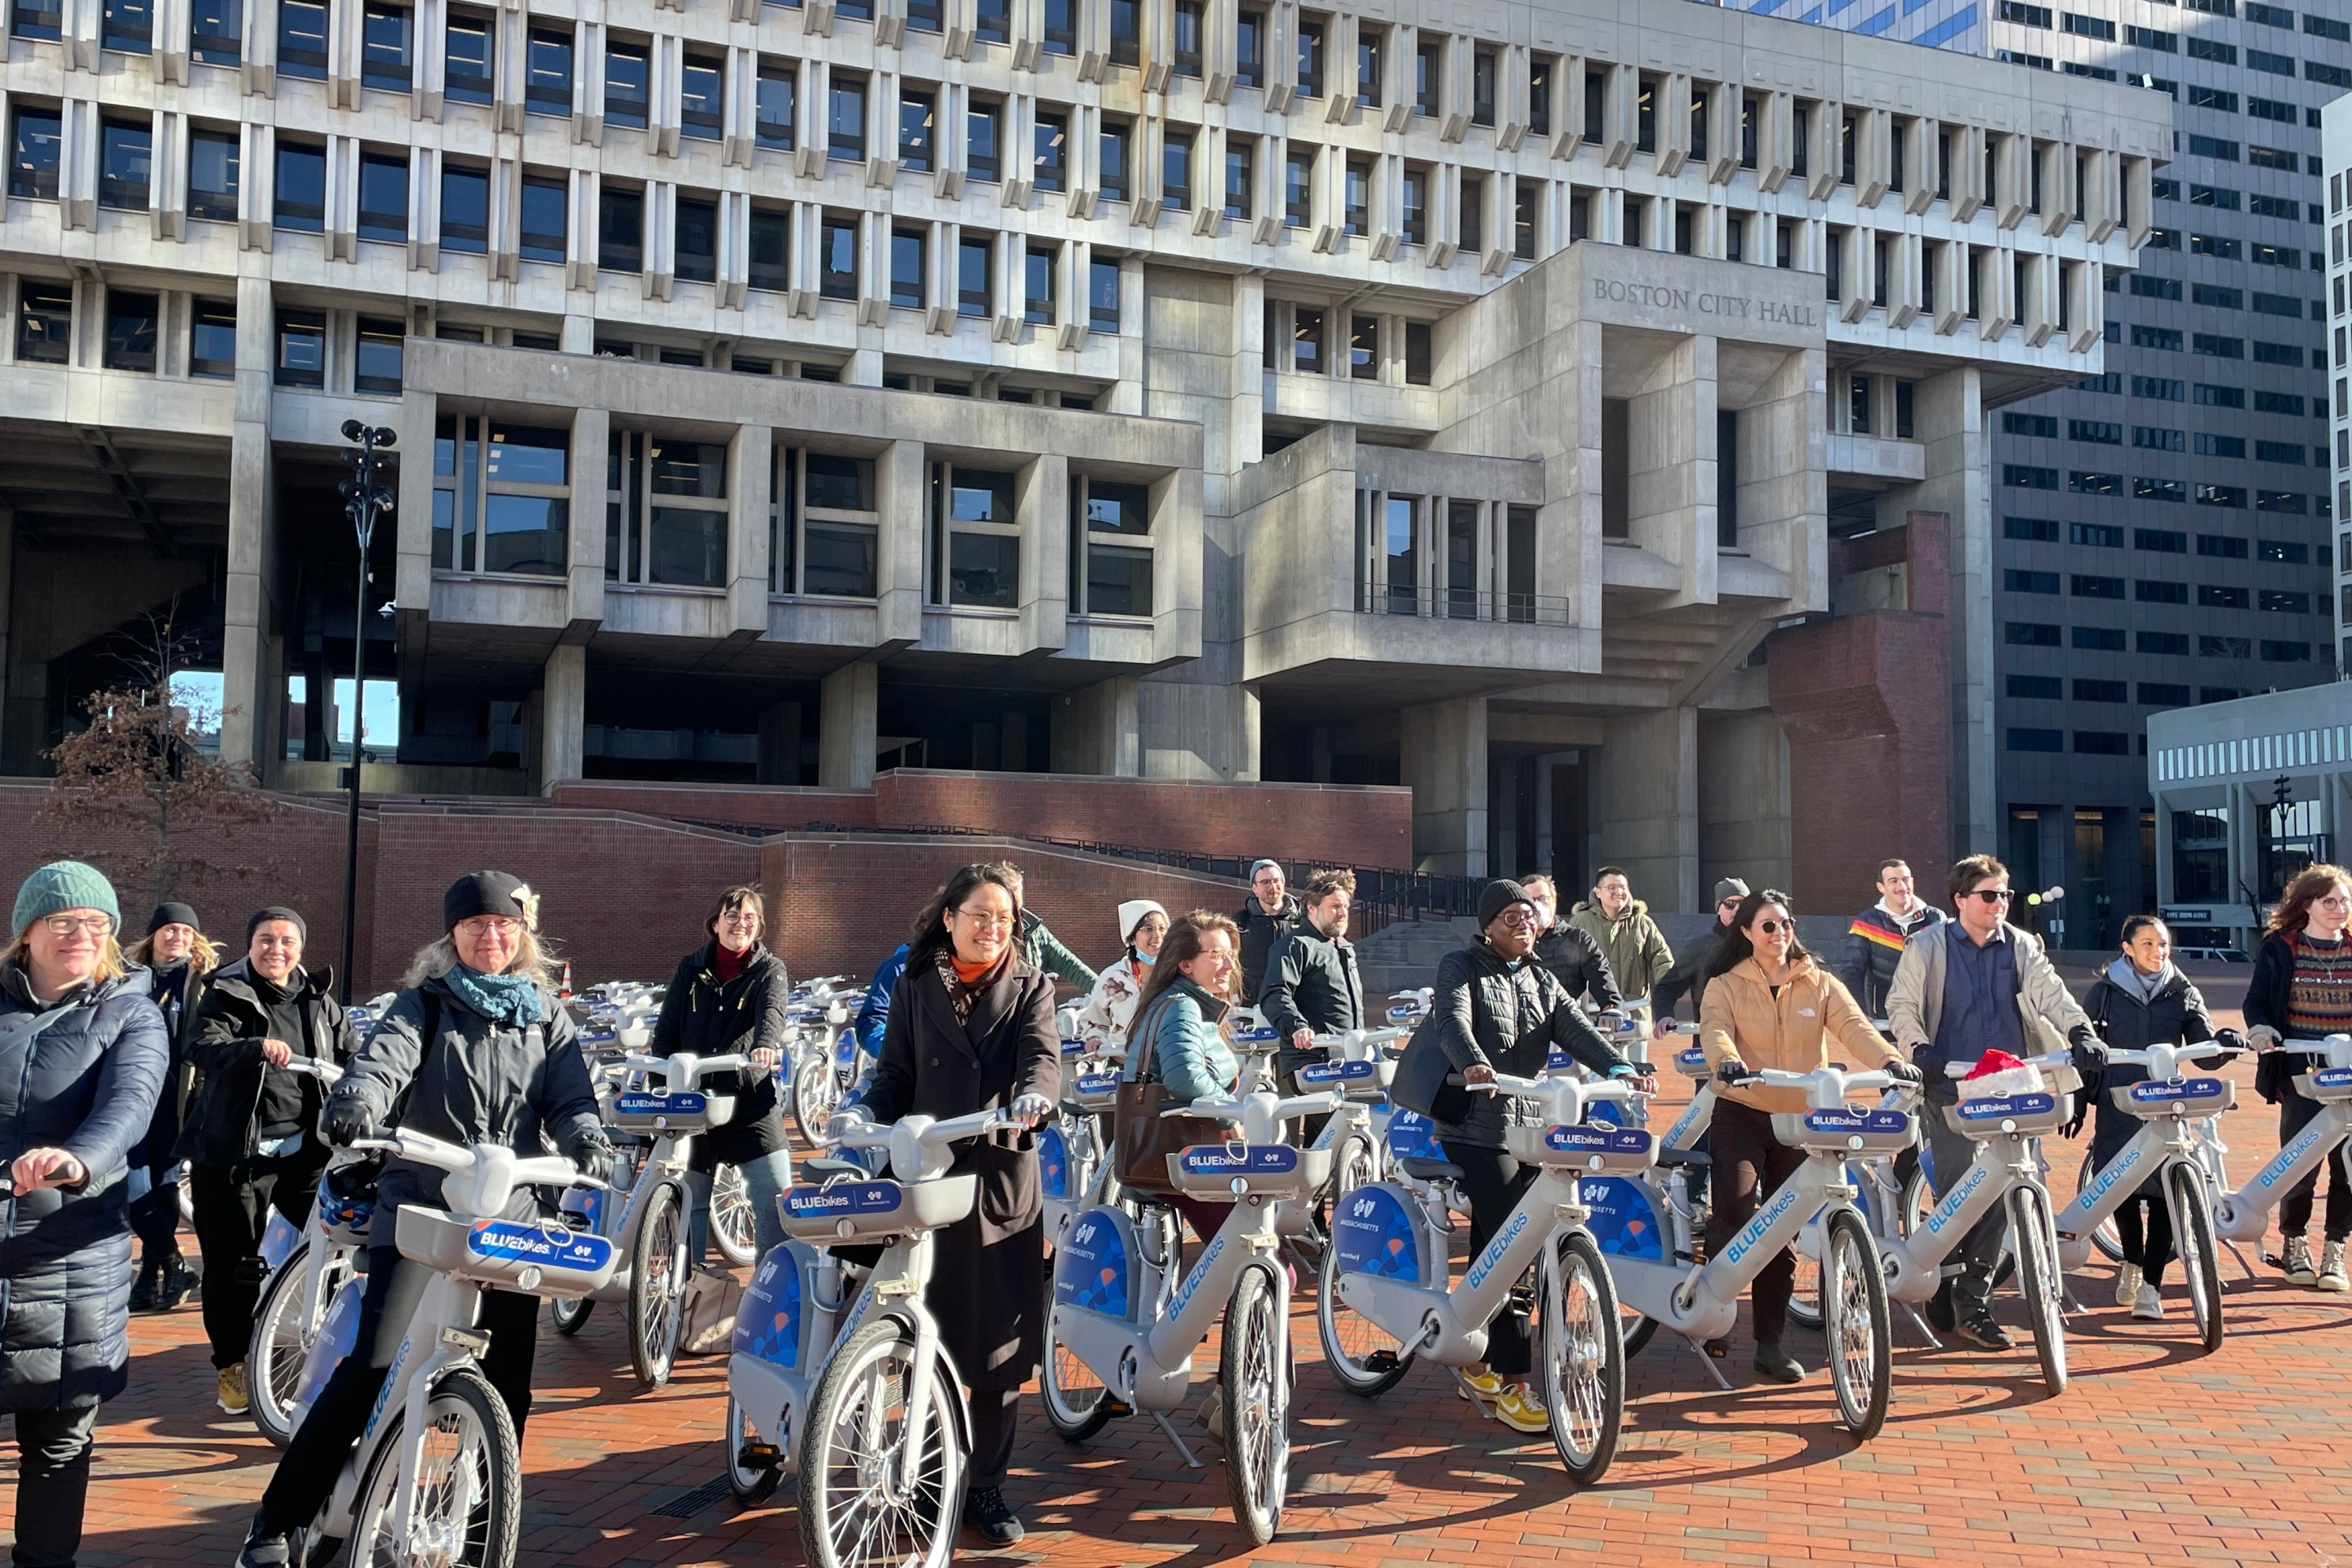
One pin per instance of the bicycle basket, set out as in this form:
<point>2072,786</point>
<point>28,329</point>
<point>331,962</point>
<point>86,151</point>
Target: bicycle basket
<point>876,1210</point>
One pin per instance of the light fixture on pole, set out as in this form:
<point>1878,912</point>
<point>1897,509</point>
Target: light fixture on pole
<point>366,493</point>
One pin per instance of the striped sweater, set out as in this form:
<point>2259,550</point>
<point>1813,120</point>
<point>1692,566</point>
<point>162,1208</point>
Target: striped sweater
<point>2319,997</point>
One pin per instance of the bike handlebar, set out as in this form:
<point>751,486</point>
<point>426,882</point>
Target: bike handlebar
<point>538,1171</point>
<point>327,1073</point>
<point>1286,1108</point>
<point>2310,1047</point>
<point>2052,1059</point>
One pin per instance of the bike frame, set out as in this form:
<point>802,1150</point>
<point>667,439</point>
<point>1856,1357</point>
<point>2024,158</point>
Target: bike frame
<point>2244,1214</point>
<point>2005,1159</point>
<point>2167,1137</point>
<point>664,1161</point>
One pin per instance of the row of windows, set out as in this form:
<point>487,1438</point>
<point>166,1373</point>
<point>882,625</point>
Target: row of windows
<point>2209,596</point>
<point>2052,688</point>
<point>2229,247</point>
<point>2158,438</point>
<point>2221,296</point>
<point>2110,639</point>
<point>2032,477</point>
<point>2087,743</point>
<point>2161,541</point>
<point>2206,394</point>
<point>2227,198</point>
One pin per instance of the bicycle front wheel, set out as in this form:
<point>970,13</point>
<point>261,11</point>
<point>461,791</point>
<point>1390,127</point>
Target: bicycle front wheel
<point>465,1497</point>
<point>816,1093</point>
<point>281,1342</point>
<point>658,1271</point>
<point>1861,1337</point>
<point>2038,1277</point>
<point>865,1502</point>
<point>2200,1260</point>
<point>1581,1357</point>
<point>732,1223</point>
<point>1254,1372</point>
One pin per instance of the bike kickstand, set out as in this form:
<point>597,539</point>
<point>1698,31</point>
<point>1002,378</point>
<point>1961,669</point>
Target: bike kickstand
<point>1708,1361</point>
<point>2240,1257</point>
<point>1920,1322</point>
<point>1190,1462</point>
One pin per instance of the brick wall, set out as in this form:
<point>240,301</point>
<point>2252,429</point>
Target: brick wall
<point>778,809</point>
<point>1865,702</point>
<point>845,899</point>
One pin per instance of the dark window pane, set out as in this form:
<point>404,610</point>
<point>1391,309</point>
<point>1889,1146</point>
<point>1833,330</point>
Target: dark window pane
<point>972,269</point>
<point>377,367</point>
<point>128,25</point>
<point>129,330</point>
<point>383,197</point>
<point>838,484</point>
<point>1113,507</point>
<point>620,222</point>
<point>302,39</point>
<point>301,349</point>
<point>543,214</point>
<point>687,548</point>
<point>770,251</point>
<point>840,559</point>
<point>215,30</point>
<point>467,77</point>
<point>1118,581</point>
<point>977,495</point>
<point>702,100</point>
<point>837,260</point>
<point>1061,27</point>
<point>525,534</point>
<point>33,154</point>
<point>984,570</point>
<point>688,468</point>
<point>907,269</point>
<point>845,119</point>
<point>915,140</point>
<point>779,91</point>
<point>301,187</point>
<point>44,321</point>
<point>464,209</point>
<point>35,19</point>
<point>213,175</point>
<point>212,339</point>
<point>1037,287</point>
<point>1052,157</point>
<point>992,21</point>
<point>627,85</point>
<point>1102,296</point>
<point>983,159</point>
<point>386,46</point>
<point>547,72</point>
<point>123,146</point>
<point>697,240</point>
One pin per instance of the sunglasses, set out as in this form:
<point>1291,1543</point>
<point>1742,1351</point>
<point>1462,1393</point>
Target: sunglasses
<point>1774,928</point>
<point>1989,895</point>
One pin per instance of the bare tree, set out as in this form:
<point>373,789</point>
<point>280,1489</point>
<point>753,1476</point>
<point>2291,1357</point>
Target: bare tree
<point>136,793</point>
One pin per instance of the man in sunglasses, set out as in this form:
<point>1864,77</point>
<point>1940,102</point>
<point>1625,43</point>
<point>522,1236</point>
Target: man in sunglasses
<point>1975,984</point>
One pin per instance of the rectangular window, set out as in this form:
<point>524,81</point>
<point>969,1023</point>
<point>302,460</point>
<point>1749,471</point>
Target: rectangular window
<point>547,72</point>
<point>464,209</point>
<point>1482,87</point>
<point>1176,170</point>
<point>2163,694</point>
<point>2023,581</point>
<point>2231,496</point>
<point>2146,337</point>
<point>123,149</point>
<point>1249,45</point>
<point>301,187</point>
<point>129,330</point>
<point>2171,644</point>
<point>384,198</point>
<point>2101,691</point>
<point>2162,389</point>
<point>629,85</point>
<point>620,230</point>
<point>2148,591</point>
<point>467,74</point>
<point>1052,157</point>
<point>2026,740</point>
<point>702,98</point>
<point>915,139</point>
<point>2284,602</point>
<point>2047,687</point>
<point>2164,540</point>
<point>545,211</point>
<point>1355,199</point>
<point>302,358</point>
<point>375,364</point>
<point>907,246</point>
<point>1126,32</point>
<point>1113,165</point>
<point>1188,19</point>
<point>2042,530</point>
<point>387,47</point>
<point>2101,432</point>
<point>839,526</point>
<point>1428,73</point>
<point>1310,58</point>
<point>1473,214</point>
<point>776,120</point>
<point>1038,287</point>
<point>1526,219</point>
<point>2285,652</point>
<point>2225,648</point>
<point>1307,340</point>
<point>992,21</point>
<point>975,265</point>
<point>302,39</point>
<point>2209,445</point>
<point>2103,742</point>
<point>2097,536</point>
<point>1102,295</point>
<point>923,15</point>
<point>770,259</point>
<point>2026,476</point>
<point>38,19</point>
<point>127,26</point>
<point>212,340</point>
<point>215,32</point>
<point>1363,347</point>
<point>1420,351</point>
<point>837,259</point>
<point>2155,439</point>
<point>1298,187</point>
<point>2030,633</point>
<point>45,323</point>
<point>2083,586</point>
<point>2098,639</point>
<point>976,538</point>
<point>2175,491</point>
<point>1240,171</point>
<point>845,117</point>
<point>983,143</point>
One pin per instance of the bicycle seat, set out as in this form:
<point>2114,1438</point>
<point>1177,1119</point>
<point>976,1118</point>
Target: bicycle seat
<point>1696,1158</point>
<point>819,1168</point>
<point>1421,1169</point>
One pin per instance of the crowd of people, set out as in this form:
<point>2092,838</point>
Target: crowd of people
<point>128,1066</point>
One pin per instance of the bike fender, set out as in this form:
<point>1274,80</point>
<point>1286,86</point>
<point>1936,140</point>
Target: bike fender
<point>905,1316</point>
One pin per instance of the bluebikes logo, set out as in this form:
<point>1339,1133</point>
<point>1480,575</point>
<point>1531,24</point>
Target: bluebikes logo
<point>1097,1083</point>
<point>510,1241</point>
<point>648,1103</point>
<point>1071,1048</point>
<point>2012,1105</point>
<point>2332,1078</point>
<point>1977,1177</point>
<point>843,1201</point>
<point>1767,1216</point>
<point>1490,1259</point>
<point>1239,1160</point>
<point>1857,1121</point>
<point>2179,1088</point>
<point>1317,1074</point>
<point>2111,1172</point>
<point>2290,1156</point>
<point>1198,1272</point>
<point>1596,1141</point>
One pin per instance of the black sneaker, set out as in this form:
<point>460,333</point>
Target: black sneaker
<point>147,1293</point>
<point>1986,1334</point>
<point>1940,1316</point>
<point>985,1510</point>
<point>264,1550</point>
<point>1776,1363</point>
<point>180,1284</point>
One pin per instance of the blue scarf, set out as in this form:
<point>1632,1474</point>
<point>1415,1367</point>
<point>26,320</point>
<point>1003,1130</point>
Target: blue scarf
<point>500,998</point>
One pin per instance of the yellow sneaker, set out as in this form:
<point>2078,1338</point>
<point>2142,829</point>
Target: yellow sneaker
<point>231,1396</point>
<point>1520,1410</point>
<point>1482,1387</point>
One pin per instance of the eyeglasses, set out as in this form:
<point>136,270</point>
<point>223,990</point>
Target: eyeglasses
<point>1989,895</point>
<point>490,925</point>
<point>1774,928</point>
<point>986,918</point>
<point>66,925</point>
<point>741,919</point>
<point>1517,919</point>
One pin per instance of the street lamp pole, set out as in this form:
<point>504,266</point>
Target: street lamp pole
<point>364,496</point>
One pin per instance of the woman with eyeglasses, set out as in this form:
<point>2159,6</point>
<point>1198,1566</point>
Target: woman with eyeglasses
<point>1497,1009</point>
<point>82,1055</point>
<point>728,996</point>
<point>971,1028</point>
<point>2302,989</point>
<point>252,1138</point>
<point>179,959</point>
<point>475,1050</point>
<point>1120,988</point>
<point>1768,1004</point>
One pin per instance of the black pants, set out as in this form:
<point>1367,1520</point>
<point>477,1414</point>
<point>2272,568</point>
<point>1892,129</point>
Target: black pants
<point>233,1204</point>
<point>2152,1246</point>
<point>995,1419</point>
<point>52,1485</point>
<point>2295,1112</point>
<point>1748,1163</point>
<point>1979,1250</point>
<point>1494,1183</point>
<point>154,1205</point>
<point>394,1285</point>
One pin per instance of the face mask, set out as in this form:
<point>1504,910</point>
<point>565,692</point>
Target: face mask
<point>1147,959</point>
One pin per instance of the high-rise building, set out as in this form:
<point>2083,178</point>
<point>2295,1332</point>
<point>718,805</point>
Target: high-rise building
<point>2336,158</point>
<point>1180,388</point>
<point>2163,529</point>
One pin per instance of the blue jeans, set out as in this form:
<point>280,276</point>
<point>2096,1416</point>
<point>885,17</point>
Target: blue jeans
<point>764,1180</point>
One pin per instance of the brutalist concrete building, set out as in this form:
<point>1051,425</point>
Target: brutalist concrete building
<point>1175,388</point>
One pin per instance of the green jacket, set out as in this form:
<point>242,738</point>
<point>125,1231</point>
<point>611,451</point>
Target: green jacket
<point>1043,949</point>
<point>1637,953</point>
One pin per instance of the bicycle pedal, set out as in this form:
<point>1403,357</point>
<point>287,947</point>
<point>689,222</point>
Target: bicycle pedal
<point>758,1456</point>
<point>1118,1407</point>
<point>1382,1360</point>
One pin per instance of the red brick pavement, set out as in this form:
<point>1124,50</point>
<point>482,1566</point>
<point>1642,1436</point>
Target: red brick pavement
<point>2154,1456</point>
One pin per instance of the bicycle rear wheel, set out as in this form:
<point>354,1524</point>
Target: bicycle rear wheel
<point>2038,1277</point>
<point>1077,1404</point>
<point>1366,1358</point>
<point>1861,1337</point>
<point>569,1316</point>
<point>864,1502</point>
<point>2200,1261</point>
<point>467,1503</point>
<point>1583,1358</point>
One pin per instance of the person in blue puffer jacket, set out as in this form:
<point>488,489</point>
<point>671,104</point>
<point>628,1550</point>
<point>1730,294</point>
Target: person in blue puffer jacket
<point>1176,1040</point>
<point>83,1052</point>
<point>874,1013</point>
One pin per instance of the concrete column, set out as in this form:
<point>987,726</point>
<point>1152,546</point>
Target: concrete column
<point>1098,730</point>
<point>1947,411</point>
<point>1647,804</point>
<point>591,435</point>
<point>900,501</point>
<point>562,717</point>
<point>1670,469</point>
<point>1442,749</point>
<point>747,522</point>
<point>1041,501</point>
<point>249,614</point>
<point>1743,800</point>
<point>1784,481</point>
<point>846,727</point>
<point>780,745</point>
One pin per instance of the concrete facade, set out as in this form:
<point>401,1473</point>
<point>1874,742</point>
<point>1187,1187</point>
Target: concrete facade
<point>1203,392</point>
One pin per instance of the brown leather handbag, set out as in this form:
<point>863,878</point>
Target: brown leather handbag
<point>1145,1138</point>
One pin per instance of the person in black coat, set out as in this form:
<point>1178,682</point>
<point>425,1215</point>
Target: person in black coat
<point>1498,1010</point>
<point>728,998</point>
<point>971,1028</point>
<point>1270,913</point>
<point>1569,952</point>
<point>82,1053</point>
<point>2139,1001</point>
<point>251,1139</point>
<point>179,961</point>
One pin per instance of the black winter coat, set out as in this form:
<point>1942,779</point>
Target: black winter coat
<point>176,991</point>
<point>225,1045</point>
<point>1687,977</point>
<point>87,1084</point>
<point>1570,953</point>
<point>1311,982</point>
<point>1489,1013</point>
<point>475,1081</point>
<point>1260,931</point>
<point>2177,1017</point>
<point>988,1279</point>
<point>700,1015</point>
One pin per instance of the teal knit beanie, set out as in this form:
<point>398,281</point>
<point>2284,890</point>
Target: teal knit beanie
<point>63,885</point>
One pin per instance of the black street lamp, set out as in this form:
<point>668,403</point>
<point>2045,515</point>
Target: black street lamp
<point>365,494</point>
